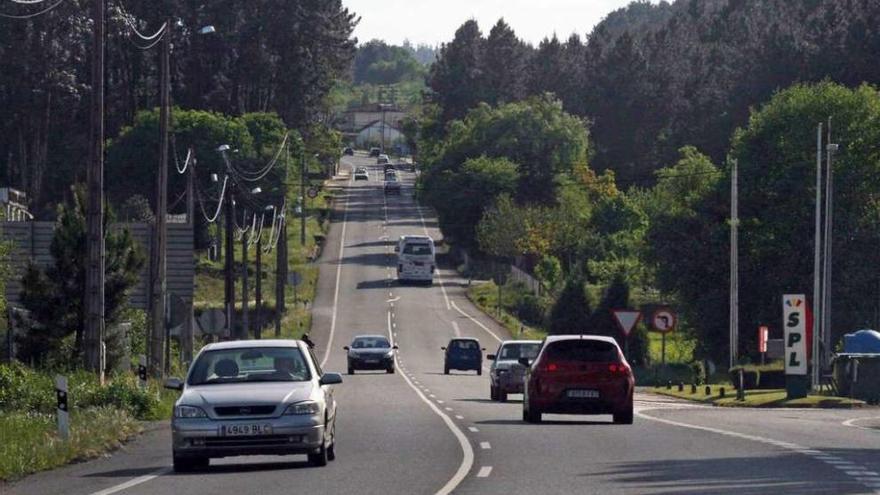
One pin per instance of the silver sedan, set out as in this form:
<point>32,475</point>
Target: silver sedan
<point>267,397</point>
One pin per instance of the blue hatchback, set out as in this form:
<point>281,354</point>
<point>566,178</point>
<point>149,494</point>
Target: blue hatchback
<point>463,355</point>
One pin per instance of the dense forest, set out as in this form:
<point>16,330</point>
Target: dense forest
<point>652,78</point>
<point>261,56</point>
<point>659,100</point>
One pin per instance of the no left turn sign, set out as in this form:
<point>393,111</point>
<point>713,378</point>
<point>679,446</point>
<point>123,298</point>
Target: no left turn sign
<point>663,320</point>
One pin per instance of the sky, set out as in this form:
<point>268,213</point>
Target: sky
<point>434,21</point>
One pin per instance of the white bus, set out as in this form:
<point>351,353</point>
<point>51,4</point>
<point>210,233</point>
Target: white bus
<point>415,258</point>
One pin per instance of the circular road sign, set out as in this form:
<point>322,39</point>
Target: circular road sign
<point>663,320</point>
<point>312,192</point>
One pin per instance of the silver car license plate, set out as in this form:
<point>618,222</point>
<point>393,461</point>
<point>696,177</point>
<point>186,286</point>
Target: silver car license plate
<point>245,430</point>
<point>583,394</point>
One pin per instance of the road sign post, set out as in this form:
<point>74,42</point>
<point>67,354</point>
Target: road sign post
<point>626,320</point>
<point>763,336</point>
<point>794,318</point>
<point>663,320</point>
<point>62,408</point>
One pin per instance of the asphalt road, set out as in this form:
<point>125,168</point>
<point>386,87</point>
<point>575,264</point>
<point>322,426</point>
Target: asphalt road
<point>419,431</point>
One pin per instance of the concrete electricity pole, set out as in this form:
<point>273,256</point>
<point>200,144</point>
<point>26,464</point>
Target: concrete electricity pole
<point>94,296</point>
<point>258,286</point>
<point>302,200</point>
<point>160,233</point>
<point>244,280</point>
<point>734,264</point>
<point>817,257</point>
<point>229,276</point>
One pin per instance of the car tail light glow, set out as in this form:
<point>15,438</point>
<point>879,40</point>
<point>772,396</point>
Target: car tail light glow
<point>552,367</point>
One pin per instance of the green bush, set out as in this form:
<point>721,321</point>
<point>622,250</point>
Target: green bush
<point>23,389</point>
<point>530,309</point>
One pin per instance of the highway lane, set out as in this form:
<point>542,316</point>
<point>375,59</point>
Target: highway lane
<point>392,441</point>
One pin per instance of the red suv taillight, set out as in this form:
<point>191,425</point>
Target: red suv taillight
<point>618,369</point>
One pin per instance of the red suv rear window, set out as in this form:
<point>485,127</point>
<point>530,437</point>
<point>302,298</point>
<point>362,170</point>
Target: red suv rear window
<point>583,350</point>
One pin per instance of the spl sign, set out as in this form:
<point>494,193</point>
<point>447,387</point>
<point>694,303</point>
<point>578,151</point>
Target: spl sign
<point>794,318</point>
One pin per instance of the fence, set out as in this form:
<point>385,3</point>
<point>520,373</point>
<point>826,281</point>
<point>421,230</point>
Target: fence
<point>518,275</point>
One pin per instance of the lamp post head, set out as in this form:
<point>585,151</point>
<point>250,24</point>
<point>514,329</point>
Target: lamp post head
<point>223,147</point>
<point>256,190</point>
<point>209,29</point>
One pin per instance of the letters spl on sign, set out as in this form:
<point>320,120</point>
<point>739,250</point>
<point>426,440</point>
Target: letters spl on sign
<point>626,319</point>
<point>794,320</point>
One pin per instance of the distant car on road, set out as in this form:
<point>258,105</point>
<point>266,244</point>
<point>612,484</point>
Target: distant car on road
<point>463,354</point>
<point>392,185</point>
<point>579,374</point>
<point>370,352</point>
<point>506,374</point>
<point>388,167</point>
<point>382,159</point>
<point>361,173</point>
<point>252,397</point>
<point>374,152</point>
<point>348,151</point>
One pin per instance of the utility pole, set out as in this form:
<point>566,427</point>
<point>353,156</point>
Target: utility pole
<point>734,263</point>
<point>281,253</point>
<point>302,201</point>
<point>229,278</point>
<point>830,148</point>
<point>244,280</point>
<point>258,287</point>
<point>817,257</point>
<point>94,296</point>
<point>160,233</point>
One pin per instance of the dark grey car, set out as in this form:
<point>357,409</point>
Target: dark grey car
<point>370,352</point>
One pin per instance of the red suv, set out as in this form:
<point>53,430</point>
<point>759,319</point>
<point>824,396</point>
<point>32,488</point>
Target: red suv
<point>579,374</point>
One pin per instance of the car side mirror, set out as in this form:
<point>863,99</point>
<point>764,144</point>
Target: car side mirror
<point>524,361</point>
<point>395,346</point>
<point>347,348</point>
<point>443,348</point>
<point>491,357</point>
<point>396,249</point>
<point>331,379</point>
<point>174,384</point>
<point>483,349</point>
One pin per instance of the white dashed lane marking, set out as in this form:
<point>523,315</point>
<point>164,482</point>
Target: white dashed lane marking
<point>484,472</point>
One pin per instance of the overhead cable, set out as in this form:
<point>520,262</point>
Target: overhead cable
<point>32,15</point>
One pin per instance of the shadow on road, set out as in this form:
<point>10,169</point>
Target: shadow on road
<point>249,468</point>
<point>787,473</point>
<point>544,423</point>
<point>124,473</point>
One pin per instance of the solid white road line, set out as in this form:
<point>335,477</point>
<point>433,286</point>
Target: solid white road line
<point>133,482</point>
<point>850,468</point>
<point>484,327</point>
<point>852,423</point>
<point>467,461</point>
<point>336,289</point>
<point>456,328</point>
<point>484,472</point>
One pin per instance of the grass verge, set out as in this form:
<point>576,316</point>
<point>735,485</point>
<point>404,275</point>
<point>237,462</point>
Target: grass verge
<point>759,398</point>
<point>29,441</point>
<point>485,297</point>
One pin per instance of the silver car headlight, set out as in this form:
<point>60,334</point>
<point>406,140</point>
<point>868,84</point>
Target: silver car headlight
<point>305,408</point>
<point>389,354</point>
<point>189,412</point>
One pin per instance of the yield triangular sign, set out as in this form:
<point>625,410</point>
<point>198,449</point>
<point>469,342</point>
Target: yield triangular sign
<point>626,319</point>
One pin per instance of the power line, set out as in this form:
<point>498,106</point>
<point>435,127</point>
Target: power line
<point>129,19</point>
<point>35,14</point>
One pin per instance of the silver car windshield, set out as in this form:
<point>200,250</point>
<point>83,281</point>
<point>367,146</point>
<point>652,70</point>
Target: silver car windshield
<point>264,364</point>
<point>517,351</point>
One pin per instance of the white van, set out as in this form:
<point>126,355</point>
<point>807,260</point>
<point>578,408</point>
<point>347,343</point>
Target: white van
<point>415,258</point>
